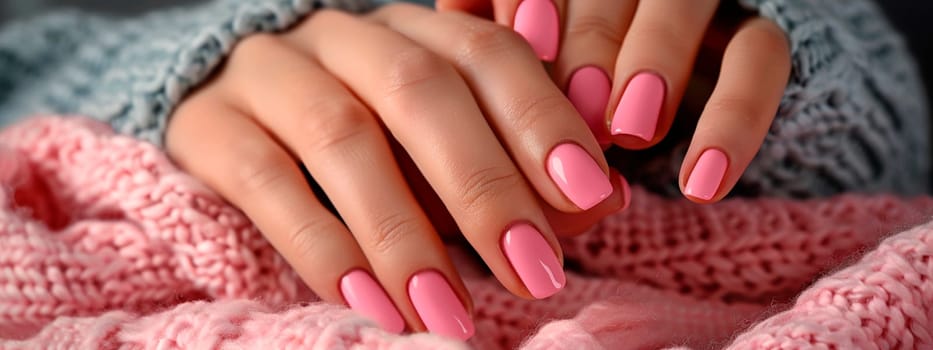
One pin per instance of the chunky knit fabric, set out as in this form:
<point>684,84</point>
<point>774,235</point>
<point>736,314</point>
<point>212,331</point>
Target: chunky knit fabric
<point>130,73</point>
<point>106,246</point>
<point>853,116</point>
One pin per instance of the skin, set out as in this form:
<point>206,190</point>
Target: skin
<point>626,37</point>
<point>359,102</point>
<point>402,127</point>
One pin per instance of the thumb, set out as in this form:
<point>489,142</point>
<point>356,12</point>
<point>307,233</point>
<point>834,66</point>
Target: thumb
<point>480,8</point>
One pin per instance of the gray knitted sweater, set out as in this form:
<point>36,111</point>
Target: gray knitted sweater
<point>853,117</point>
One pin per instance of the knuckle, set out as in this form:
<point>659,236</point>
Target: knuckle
<point>487,185</point>
<point>742,109</point>
<point>526,113</point>
<point>305,237</point>
<point>480,41</point>
<point>258,44</point>
<point>333,124</point>
<point>320,18</point>
<point>411,68</point>
<point>597,27</point>
<point>258,168</point>
<point>250,53</point>
<point>662,35</point>
<point>395,8</point>
<point>390,230</point>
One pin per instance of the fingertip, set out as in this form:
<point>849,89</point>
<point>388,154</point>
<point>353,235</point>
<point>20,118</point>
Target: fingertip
<point>636,118</point>
<point>533,258</point>
<point>626,193</point>
<point>705,182</point>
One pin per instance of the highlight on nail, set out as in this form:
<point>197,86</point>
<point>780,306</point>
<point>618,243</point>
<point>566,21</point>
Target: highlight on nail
<point>364,295</point>
<point>533,260</point>
<point>639,109</point>
<point>538,22</point>
<point>578,175</point>
<point>707,175</point>
<point>438,305</point>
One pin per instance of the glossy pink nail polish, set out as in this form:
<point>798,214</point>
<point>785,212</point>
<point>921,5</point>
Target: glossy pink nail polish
<point>533,260</point>
<point>367,297</point>
<point>578,176</point>
<point>639,109</point>
<point>707,174</point>
<point>589,92</point>
<point>537,21</point>
<point>439,307</point>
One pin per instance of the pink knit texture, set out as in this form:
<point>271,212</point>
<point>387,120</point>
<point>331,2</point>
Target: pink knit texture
<point>105,245</point>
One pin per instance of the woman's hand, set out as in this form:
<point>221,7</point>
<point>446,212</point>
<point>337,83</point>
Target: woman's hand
<point>465,99</point>
<point>626,63</point>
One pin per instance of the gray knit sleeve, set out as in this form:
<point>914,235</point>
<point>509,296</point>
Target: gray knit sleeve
<point>130,73</point>
<point>854,116</point>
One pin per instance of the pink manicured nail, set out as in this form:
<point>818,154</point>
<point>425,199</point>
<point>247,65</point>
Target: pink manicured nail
<point>438,305</point>
<point>589,92</point>
<point>707,174</point>
<point>537,21</point>
<point>366,296</point>
<point>640,107</point>
<point>578,176</point>
<point>534,260</point>
<point>627,196</point>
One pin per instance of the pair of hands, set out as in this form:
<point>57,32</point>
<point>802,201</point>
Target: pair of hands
<point>406,114</point>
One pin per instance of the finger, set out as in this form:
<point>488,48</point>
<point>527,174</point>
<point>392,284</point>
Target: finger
<point>538,125</point>
<point>568,225</point>
<point>246,166</point>
<point>591,43</point>
<point>344,148</point>
<point>653,67</point>
<point>754,72</point>
<point>538,21</point>
<point>430,111</point>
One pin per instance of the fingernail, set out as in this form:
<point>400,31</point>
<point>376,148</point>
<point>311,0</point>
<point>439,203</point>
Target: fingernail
<point>707,175</point>
<point>367,297</point>
<point>534,260</point>
<point>589,92</point>
<point>640,107</point>
<point>627,196</point>
<point>537,21</point>
<point>438,305</point>
<point>578,176</point>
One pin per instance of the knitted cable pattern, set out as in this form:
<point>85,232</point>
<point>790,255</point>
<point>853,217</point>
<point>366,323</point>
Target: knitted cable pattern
<point>844,123</point>
<point>105,245</point>
<point>131,73</point>
<point>853,117</point>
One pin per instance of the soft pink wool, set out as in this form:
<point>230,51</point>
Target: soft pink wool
<point>105,245</point>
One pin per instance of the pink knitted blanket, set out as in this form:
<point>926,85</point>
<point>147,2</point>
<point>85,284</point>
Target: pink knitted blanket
<point>105,245</point>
